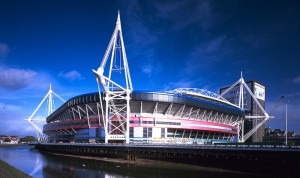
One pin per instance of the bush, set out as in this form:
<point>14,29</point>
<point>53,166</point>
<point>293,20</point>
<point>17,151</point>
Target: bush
<point>28,139</point>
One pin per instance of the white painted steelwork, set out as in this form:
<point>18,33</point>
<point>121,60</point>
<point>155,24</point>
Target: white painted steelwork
<point>196,92</point>
<point>265,116</point>
<point>286,123</point>
<point>117,97</point>
<point>50,108</point>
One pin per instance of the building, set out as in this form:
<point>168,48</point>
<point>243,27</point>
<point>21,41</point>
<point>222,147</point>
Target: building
<point>166,117</point>
<point>278,136</point>
<point>4,139</point>
<point>250,107</point>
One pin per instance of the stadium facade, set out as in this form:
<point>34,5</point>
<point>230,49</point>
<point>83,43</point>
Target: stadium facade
<point>170,117</point>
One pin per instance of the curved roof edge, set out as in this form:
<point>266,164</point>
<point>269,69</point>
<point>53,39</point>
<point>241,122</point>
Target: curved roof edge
<point>206,103</point>
<point>196,92</point>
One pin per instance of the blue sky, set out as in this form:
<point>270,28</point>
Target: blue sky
<point>169,44</point>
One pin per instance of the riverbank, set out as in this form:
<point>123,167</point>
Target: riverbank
<point>10,145</point>
<point>8,171</point>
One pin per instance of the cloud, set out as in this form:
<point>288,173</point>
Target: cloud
<point>72,75</point>
<point>174,14</point>
<point>147,69</point>
<point>296,80</point>
<point>185,13</point>
<point>206,56</point>
<point>4,50</point>
<point>151,69</point>
<point>14,79</point>
<point>203,15</point>
<point>12,119</point>
<point>182,83</point>
<point>142,31</point>
<point>9,108</point>
<point>215,44</point>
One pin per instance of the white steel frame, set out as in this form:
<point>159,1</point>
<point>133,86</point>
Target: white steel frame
<point>240,125</point>
<point>117,116</point>
<point>201,93</point>
<point>50,108</point>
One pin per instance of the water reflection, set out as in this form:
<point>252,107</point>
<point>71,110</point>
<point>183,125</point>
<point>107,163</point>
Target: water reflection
<point>24,158</point>
<point>58,166</point>
<point>38,165</point>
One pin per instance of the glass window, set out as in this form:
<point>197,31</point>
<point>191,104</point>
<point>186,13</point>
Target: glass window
<point>133,95</point>
<point>145,132</point>
<point>149,132</point>
<point>175,99</point>
<point>163,132</point>
<point>131,132</point>
<point>149,97</point>
<point>138,96</point>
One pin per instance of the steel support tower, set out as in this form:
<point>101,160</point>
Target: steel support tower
<point>50,108</point>
<point>261,118</point>
<point>117,95</point>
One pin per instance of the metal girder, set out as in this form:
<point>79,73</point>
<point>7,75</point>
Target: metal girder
<point>155,109</point>
<point>100,116</point>
<point>201,93</point>
<point>180,110</point>
<point>203,114</point>
<point>169,109</point>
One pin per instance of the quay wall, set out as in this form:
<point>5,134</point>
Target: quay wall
<point>267,160</point>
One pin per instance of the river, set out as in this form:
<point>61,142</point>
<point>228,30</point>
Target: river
<point>41,165</point>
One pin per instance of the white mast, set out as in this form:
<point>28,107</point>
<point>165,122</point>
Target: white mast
<point>117,97</point>
<point>265,116</point>
<point>50,109</point>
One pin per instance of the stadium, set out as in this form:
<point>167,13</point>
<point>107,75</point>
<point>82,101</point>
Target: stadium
<point>119,114</point>
<point>173,117</point>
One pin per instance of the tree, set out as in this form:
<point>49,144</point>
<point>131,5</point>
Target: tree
<point>28,139</point>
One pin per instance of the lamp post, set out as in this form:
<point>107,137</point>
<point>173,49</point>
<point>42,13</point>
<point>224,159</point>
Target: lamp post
<point>286,129</point>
